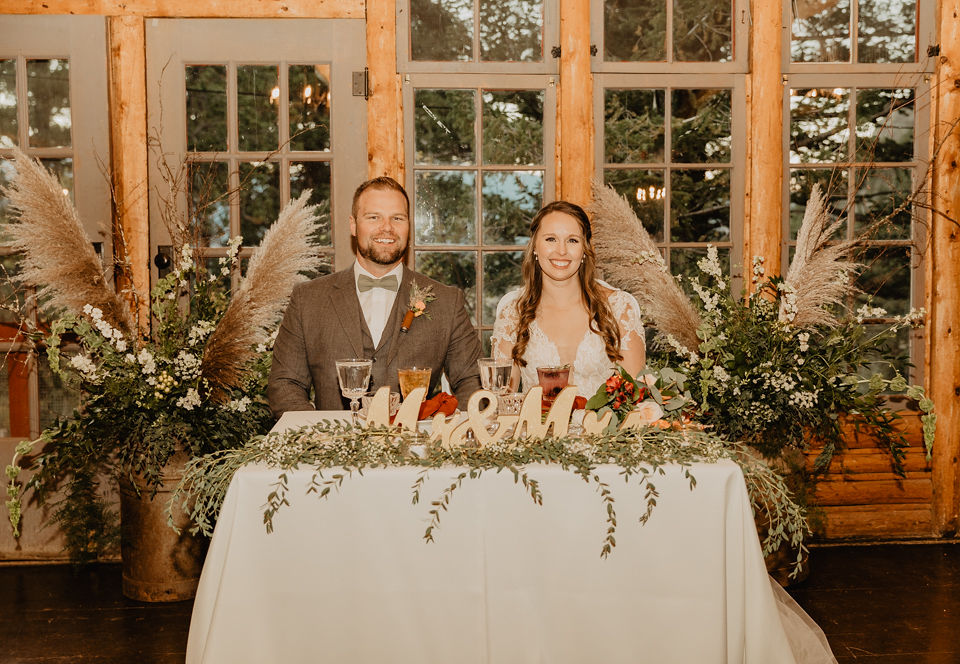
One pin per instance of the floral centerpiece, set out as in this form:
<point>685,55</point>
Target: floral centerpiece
<point>190,383</point>
<point>659,396</point>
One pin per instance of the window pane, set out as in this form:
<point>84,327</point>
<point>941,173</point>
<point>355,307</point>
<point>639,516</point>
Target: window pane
<point>887,31</point>
<point>501,273</point>
<point>441,29</point>
<point>819,126</point>
<point>821,31</point>
<point>513,127</point>
<point>259,200</point>
<point>8,103</point>
<point>899,346</point>
<point>209,203</point>
<point>444,126</point>
<point>886,277</point>
<point>701,125</point>
<point>683,262</point>
<point>633,128</point>
<point>885,124</point>
<point>7,174</point>
<point>511,30</point>
<point>258,95</point>
<point>702,30</point>
<point>645,190</point>
<point>510,199</point>
<point>445,207</point>
<point>48,103</point>
<point>700,206</point>
<point>309,107</point>
<point>63,170</point>
<point>314,175</point>
<point>881,203</point>
<point>56,399</point>
<point>833,184</point>
<point>454,268</point>
<point>634,31</point>
<point>10,295</point>
<point>206,107</point>
<point>13,424</point>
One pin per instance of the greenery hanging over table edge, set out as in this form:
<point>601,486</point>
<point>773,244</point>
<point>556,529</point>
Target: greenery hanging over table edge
<point>337,451</point>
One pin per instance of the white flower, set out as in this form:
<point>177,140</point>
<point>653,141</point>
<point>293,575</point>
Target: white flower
<point>130,358</point>
<point>200,331</point>
<point>720,374</point>
<point>711,264</point>
<point>84,365</point>
<point>147,363</point>
<point>190,401</point>
<point>866,311</point>
<point>647,412</point>
<point>186,365</point>
<point>803,338</point>
<point>121,345</point>
<point>239,405</point>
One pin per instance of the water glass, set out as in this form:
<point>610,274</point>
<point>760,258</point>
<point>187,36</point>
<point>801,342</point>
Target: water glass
<point>495,375</point>
<point>354,376</point>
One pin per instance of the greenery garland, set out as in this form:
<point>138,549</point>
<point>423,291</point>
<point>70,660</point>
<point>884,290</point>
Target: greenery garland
<point>337,451</point>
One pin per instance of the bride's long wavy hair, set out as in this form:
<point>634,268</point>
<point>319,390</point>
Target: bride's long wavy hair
<point>602,321</point>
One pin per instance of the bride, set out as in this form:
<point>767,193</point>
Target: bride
<point>564,315</point>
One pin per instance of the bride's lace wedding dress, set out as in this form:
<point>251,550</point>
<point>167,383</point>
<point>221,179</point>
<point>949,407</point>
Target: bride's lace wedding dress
<point>591,366</point>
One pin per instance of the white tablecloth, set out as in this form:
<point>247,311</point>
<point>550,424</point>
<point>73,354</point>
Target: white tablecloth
<point>350,578</point>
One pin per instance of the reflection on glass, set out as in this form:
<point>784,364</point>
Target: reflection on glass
<point>646,192</point>
<point>209,203</point>
<point>443,126</point>
<point>683,262</point>
<point>887,31</point>
<point>501,274</point>
<point>700,120</point>
<point>57,400</point>
<point>511,30</point>
<point>48,103</point>
<point>206,89</point>
<point>510,199</point>
<point>309,92</point>
<point>821,31</point>
<point>885,279</point>
<point>63,170</point>
<point>445,207</point>
<point>513,127</point>
<point>833,185</point>
<point>702,31</point>
<point>881,205</point>
<point>314,175</point>
<point>633,127</point>
<point>900,347</point>
<point>441,29</point>
<point>885,124</point>
<point>700,205</point>
<point>634,31</point>
<point>819,126</point>
<point>454,268</point>
<point>8,103</point>
<point>258,96</point>
<point>259,200</point>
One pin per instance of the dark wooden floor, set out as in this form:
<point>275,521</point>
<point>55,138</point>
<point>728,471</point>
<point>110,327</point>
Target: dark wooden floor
<point>889,604</point>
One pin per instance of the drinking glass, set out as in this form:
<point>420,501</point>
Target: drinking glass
<point>413,377</point>
<point>354,377</point>
<point>495,375</point>
<point>552,380</point>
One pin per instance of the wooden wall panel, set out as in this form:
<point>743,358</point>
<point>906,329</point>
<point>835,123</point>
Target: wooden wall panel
<point>385,106</point>
<point>191,8</point>
<point>575,107</point>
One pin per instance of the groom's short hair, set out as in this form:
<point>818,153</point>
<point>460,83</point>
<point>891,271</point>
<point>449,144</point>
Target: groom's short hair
<point>382,182</point>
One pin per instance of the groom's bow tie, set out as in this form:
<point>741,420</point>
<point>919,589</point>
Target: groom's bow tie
<point>365,283</point>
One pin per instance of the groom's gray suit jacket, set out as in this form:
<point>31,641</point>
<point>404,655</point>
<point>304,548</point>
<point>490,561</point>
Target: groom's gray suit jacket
<point>323,323</point>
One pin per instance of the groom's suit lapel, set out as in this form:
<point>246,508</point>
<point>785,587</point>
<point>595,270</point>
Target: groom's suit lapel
<point>392,329</point>
<point>345,303</point>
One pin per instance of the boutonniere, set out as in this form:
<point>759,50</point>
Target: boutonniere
<point>417,306</point>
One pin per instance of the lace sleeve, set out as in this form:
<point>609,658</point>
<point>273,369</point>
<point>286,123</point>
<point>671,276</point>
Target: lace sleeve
<point>626,310</point>
<point>505,327</point>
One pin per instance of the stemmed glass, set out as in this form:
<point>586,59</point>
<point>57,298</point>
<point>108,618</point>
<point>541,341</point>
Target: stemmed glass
<point>354,377</point>
<point>495,375</point>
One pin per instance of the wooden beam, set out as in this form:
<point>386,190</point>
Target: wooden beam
<point>127,86</point>
<point>943,292</point>
<point>385,106</point>
<point>191,8</point>
<point>762,227</point>
<point>575,110</point>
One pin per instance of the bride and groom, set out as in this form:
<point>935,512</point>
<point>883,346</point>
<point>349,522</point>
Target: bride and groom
<point>562,315</point>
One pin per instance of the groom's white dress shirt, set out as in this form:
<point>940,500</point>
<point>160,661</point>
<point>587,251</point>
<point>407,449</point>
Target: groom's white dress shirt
<point>376,303</point>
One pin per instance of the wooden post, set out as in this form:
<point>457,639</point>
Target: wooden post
<point>128,158</point>
<point>575,110</point>
<point>762,225</point>
<point>943,292</point>
<point>385,106</point>
<point>191,8</point>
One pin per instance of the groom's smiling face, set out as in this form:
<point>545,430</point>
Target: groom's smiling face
<point>382,229</point>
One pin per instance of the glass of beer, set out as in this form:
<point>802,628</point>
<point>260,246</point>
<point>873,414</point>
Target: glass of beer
<point>411,378</point>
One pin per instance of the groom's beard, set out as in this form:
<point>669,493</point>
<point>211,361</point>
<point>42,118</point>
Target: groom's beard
<point>381,255</point>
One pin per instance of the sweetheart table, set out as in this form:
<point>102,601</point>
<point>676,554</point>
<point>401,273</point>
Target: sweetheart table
<point>350,578</point>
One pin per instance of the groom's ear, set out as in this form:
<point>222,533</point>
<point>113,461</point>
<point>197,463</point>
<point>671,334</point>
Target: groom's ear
<point>353,226</point>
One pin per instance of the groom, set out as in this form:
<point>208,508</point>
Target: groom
<point>358,312</point>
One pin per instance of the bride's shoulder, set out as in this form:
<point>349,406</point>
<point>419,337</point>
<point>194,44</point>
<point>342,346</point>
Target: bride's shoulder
<point>616,296</point>
<point>510,299</point>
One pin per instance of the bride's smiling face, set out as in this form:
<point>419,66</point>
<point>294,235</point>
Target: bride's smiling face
<point>559,246</point>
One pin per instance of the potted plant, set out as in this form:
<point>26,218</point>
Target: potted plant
<point>152,394</point>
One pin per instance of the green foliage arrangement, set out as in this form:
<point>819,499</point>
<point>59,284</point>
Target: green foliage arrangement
<point>336,451</point>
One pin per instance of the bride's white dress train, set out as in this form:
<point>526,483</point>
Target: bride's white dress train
<point>592,367</point>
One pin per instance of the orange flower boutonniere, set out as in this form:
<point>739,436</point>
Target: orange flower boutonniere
<point>417,306</point>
